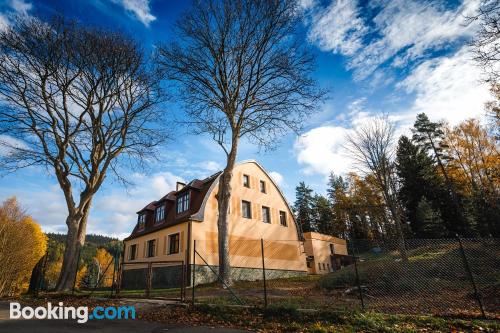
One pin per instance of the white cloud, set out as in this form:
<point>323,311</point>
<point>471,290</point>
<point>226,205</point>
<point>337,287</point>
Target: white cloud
<point>21,7</point>
<point>338,28</point>
<point>278,178</point>
<point>7,143</point>
<point>139,8</point>
<point>322,150</point>
<point>400,32</point>
<point>446,88</point>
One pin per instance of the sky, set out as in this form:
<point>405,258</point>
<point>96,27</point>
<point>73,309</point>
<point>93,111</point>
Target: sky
<point>398,58</point>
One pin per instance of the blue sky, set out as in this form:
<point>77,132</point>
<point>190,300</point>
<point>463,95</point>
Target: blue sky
<point>397,57</point>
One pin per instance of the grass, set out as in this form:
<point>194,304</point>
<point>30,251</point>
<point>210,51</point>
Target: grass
<point>288,318</point>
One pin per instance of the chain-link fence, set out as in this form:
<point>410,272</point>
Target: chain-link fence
<point>159,279</point>
<point>419,276</point>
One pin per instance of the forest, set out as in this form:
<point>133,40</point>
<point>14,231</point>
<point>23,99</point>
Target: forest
<point>438,182</point>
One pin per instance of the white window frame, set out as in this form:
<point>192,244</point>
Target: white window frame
<point>141,220</point>
<point>182,203</point>
<point>160,210</point>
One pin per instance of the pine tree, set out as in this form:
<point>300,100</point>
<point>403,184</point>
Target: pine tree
<point>429,220</point>
<point>418,178</point>
<point>303,207</point>
<point>323,215</point>
<point>429,136</point>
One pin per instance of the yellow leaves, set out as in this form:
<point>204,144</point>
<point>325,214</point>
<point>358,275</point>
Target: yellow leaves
<point>22,244</point>
<point>105,260</point>
<point>474,159</point>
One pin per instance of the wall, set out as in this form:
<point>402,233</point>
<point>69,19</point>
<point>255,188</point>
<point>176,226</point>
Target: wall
<point>282,248</point>
<point>318,245</point>
<point>161,237</point>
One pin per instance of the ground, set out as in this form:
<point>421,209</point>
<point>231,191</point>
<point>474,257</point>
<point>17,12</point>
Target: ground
<point>160,316</point>
<point>103,326</point>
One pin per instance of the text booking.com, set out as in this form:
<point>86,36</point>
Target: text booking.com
<point>81,313</point>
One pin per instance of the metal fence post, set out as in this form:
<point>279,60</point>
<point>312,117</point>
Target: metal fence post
<point>77,267</point>
<point>193,269</point>
<point>471,277</point>
<point>357,278</point>
<point>149,278</point>
<point>263,272</point>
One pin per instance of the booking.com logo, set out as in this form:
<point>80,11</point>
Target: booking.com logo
<point>80,313</point>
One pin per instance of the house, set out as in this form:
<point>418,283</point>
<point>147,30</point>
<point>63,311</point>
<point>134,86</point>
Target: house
<point>161,246</point>
<point>325,253</point>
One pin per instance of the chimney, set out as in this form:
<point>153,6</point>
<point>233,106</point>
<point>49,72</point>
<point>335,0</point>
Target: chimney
<point>179,186</point>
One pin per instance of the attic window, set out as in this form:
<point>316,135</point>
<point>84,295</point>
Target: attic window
<point>263,186</point>
<point>159,214</point>
<point>283,219</point>
<point>141,221</point>
<point>246,181</point>
<point>182,203</point>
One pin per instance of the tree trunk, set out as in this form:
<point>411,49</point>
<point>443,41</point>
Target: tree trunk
<point>74,243</point>
<point>223,200</point>
<point>392,204</point>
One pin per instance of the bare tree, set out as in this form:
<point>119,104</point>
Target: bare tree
<point>76,100</point>
<point>486,46</point>
<point>241,71</point>
<point>372,147</point>
<point>486,49</point>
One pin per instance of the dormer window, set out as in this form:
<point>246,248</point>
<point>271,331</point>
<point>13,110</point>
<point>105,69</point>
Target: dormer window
<point>141,221</point>
<point>182,203</point>
<point>246,181</point>
<point>159,214</point>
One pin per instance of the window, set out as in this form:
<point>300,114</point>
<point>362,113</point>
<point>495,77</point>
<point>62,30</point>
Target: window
<point>332,249</point>
<point>132,252</point>
<point>283,219</point>
<point>308,263</point>
<point>141,221</point>
<point>182,203</point>
<point>246,209</point>
<point>319,265</point>
<point>159,213</point>
<point>173,243</point>
<point>246,181</point>
<point>263,186</point>
<point>328,267</point>
<point>151,249</point>
<point>266,214</point>
<point>324,266</point>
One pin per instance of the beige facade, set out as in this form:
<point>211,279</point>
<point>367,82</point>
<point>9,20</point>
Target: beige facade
<point>320,250</point>
<point>258,210</point>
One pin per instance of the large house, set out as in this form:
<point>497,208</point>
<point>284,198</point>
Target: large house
<point>167,229</point>
<point>162,243</point>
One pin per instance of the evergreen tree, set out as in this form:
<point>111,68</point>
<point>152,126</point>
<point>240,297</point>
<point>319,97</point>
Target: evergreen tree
<point>303,207</point>
<point>323,215</point>
<point>339,202</point>
<point>429,220</point>
<point>418,178</point>
<point>429,136</point>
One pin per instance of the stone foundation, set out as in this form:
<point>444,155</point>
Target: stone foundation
<point>203,274</point>
<point>171,276</point>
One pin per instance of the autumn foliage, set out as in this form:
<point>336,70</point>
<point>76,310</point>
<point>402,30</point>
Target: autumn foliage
<point>22,244</point>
